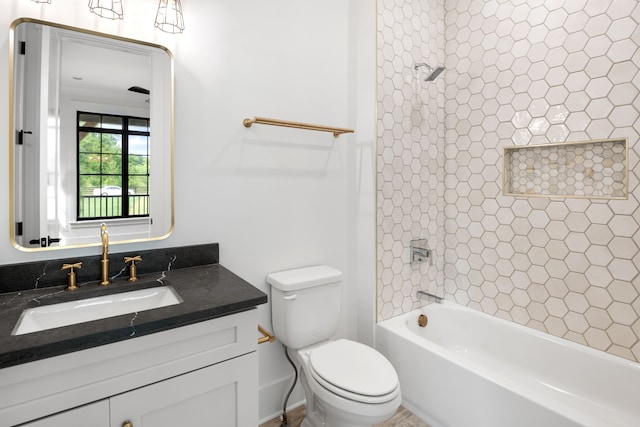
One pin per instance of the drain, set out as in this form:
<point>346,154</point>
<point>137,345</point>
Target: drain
<point>423,320</point>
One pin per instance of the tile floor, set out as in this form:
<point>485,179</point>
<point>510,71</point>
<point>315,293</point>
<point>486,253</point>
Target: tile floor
<point>402,418</point>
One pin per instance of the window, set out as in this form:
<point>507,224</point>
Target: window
<point>113,166</point>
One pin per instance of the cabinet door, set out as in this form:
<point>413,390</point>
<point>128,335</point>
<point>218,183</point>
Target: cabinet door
<point>91,415</point>
<point>225,394</point>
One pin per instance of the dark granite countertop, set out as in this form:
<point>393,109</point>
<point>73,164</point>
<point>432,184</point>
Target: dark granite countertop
<point>208,291</point>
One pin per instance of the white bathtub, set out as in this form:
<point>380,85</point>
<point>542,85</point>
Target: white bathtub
<point>469,369</point>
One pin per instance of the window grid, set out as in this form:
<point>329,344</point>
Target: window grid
<point>113,155</point>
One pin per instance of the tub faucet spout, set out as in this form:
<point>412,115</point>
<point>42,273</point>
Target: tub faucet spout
<point>104,262</point>
<point>435,297</point>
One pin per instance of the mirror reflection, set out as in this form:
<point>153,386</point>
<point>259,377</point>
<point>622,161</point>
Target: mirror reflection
<point>93,140</point>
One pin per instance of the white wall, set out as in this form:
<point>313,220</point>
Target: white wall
<point>274,198</point>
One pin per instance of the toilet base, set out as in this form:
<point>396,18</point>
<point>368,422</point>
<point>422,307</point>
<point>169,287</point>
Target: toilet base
<point>319,414</point>
<point>307,422</point>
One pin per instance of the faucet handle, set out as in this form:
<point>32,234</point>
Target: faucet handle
<point>133,270</point>
<point>420,252</point>
<point>71,282</point>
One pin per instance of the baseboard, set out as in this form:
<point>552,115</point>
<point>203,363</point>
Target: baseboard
<point>271,397</point>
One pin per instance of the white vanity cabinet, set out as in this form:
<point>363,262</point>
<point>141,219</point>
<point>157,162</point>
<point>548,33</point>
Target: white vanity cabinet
<point>91,415</point>
<point>198,375</point>
<point>217,395</point>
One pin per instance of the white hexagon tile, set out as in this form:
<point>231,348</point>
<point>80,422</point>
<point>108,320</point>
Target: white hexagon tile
<point>411,157</point>
<point>518,74</point>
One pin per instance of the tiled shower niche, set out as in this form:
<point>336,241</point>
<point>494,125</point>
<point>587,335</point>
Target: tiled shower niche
<point>593,169</point>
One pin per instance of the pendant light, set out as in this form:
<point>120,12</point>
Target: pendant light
<point>111,9</point>
<point>169,17</point>
<point>42,1</point>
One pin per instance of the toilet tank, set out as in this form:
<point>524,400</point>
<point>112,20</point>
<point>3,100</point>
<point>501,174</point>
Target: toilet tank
<point>305,304</point>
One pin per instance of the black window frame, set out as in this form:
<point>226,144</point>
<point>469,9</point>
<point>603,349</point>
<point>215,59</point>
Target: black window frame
<point>125,132</point>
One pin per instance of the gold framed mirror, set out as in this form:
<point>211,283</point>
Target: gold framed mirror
<point>91,138</point>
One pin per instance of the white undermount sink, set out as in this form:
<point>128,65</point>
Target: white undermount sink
<point>85,310</point>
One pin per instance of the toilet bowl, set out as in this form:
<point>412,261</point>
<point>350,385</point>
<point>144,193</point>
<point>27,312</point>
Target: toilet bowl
<point>346,383</point>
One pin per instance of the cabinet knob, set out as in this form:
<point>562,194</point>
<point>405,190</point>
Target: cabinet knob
<point>127,424</point>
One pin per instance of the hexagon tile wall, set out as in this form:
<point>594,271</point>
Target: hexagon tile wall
<point>517,73</point>
<point>411,134</point>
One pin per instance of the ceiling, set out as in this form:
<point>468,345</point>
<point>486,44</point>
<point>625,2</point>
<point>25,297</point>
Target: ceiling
<point>108,67</point>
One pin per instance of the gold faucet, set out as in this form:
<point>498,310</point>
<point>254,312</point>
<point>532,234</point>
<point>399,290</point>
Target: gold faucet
<point>104,263</point>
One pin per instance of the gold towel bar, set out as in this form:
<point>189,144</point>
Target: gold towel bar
<point>274,122</point>
<point>266,336</point>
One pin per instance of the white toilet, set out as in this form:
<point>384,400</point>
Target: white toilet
<point>346,384</point>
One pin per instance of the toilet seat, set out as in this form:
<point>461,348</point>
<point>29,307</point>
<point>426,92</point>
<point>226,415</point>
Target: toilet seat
<point>354,371</point>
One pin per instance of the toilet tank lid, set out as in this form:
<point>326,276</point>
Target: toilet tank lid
<point>302,278</point>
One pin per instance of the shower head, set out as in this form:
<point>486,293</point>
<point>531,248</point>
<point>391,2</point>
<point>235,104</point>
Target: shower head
<point>433,72</point>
